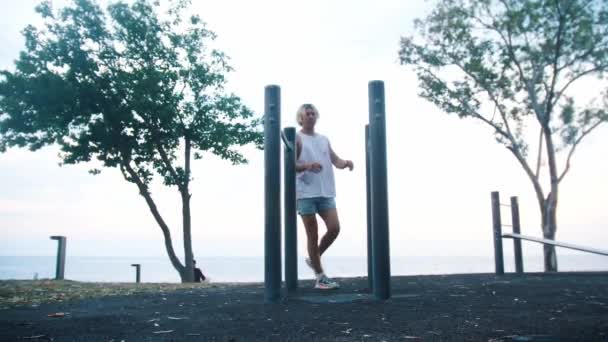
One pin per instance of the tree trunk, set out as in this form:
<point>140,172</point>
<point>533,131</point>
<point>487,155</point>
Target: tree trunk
<point>187,221</point>
<point>189,269</point>
<point>143,191</point>
<point>549,220</point>
<point>549,227</point>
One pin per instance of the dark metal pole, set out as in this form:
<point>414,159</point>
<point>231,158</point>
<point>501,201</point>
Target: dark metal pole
<point>379,191</point>
<point>60,267</point>
<point>272,194</point>
<point>497,227</point>
<point>137,272</point>
<point>519,262</point>
<point>291,223</point>
<point>368,201</point>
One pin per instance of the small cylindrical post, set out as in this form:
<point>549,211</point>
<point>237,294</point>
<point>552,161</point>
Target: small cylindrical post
<point>272,194</point>
<point>497,228</point>
<point>368,201</point>
<point>519,261</point>
<point>60,266</point>
<point>291,221</point>
<point>137,272</point>
<point>379,191</point>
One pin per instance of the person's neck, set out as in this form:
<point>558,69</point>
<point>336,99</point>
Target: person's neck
<point>308,131</point>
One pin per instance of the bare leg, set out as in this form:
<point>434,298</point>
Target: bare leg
<point>330,217</point>
<point>312,233</point>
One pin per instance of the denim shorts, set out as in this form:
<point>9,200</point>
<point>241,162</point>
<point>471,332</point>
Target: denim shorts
<point>313,205</point>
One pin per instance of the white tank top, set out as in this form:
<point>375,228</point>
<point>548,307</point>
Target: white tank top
<point>310,184</point>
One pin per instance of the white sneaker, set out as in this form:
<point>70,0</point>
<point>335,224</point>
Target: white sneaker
<point>324,283</point>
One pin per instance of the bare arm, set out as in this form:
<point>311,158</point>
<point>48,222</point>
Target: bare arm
<point>339,162</point>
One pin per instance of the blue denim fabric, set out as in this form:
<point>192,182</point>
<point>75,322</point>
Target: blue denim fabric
<point>311,206</point>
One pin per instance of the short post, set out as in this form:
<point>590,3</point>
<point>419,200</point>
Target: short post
<point>497,227</point>
<point>379,192</point>
<point>291,223</point>
<point>137,272</point>
<point>368,201</point>
<point>60,268</point>
<point>519,263</point>
<point>272,194</point>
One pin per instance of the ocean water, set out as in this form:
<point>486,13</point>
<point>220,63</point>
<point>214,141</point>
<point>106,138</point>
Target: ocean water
<point>251,269</point>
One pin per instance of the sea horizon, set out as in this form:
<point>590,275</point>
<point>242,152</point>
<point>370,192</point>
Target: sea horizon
<point>157,269</point>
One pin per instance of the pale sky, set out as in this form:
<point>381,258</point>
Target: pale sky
<point>441,169</point>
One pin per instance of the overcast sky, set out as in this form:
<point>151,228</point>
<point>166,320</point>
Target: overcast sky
<point>441,169</point>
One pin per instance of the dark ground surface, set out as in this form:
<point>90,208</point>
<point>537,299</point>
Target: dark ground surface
<point>471,307</point>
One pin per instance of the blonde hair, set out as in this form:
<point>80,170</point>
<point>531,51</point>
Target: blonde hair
<point>302,111</point>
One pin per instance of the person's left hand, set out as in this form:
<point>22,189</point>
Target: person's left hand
<point>349,164</point>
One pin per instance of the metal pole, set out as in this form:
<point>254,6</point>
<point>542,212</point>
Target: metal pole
<point>137,272</point>
<point>368,201</point>
<point>60,267</point>
<point>291,223</point>
<point>272,194</point>
<point>379,191</point>
<point>497,227</point>
<point>519,262</point>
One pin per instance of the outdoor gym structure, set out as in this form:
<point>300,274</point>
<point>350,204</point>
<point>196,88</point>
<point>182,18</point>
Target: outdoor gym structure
<point>518,237</point>
<point>378,256</point>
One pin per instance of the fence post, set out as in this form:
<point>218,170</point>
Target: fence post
<point>272,193</point>
<point>519,263</point>
<point>60,265</point>
<point>379,192</point>
<point>291,223</point>
<point>137,272</point>
<point>368,201</point>
<point>497,227</point>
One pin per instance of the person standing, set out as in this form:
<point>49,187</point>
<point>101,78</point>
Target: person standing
<point>199,277</point>
<point>316,190</point>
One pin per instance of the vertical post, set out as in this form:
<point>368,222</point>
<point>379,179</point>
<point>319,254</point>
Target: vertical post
<point>379,192</point>
<point>497,227</point>
<point>272,194</point>
<point>137,272</point>
<point>519,263</point>
<point>368,201</point>
<point>291,223</point>
<point>60,267</point>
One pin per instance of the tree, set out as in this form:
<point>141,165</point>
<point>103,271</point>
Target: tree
<point>512,64</point>
<point>133,86</point>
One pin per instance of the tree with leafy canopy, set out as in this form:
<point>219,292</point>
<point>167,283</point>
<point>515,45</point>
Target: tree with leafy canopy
<point>135,86</point>
<point>513,65</point>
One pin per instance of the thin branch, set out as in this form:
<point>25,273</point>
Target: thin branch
<point>540,152</point>
<point>571,152</point>
<point>581,74</point>
<point>143,190</point>
<point>522,161</point>
<point>508,41</point>
<point>577,58</point>
<point>509,44</point>
<point>167,162</point>
<point>558,48</point>
<point>475,114</point>
<point>487,89</point>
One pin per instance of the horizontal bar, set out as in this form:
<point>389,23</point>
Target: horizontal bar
<point>555,243</point>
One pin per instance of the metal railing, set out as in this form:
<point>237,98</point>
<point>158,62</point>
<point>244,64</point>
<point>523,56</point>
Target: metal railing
<point>517,237</point>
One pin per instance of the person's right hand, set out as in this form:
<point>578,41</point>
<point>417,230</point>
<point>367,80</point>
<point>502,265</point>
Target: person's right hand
<point>314,167</point>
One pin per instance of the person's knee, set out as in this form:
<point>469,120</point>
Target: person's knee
<point>334,230</point>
